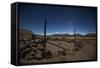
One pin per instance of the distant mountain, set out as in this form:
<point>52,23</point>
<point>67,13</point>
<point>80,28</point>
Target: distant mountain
<point>60,35</point>
<point>38,36</point>
<point>65,35</point>
<point>91,35</point>
<point>78,35</point>
<point>27,34</point>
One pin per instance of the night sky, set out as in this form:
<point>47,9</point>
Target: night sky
<point>60,20</point>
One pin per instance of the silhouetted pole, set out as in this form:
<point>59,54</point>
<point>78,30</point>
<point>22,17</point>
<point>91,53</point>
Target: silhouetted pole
<point>45,27</point>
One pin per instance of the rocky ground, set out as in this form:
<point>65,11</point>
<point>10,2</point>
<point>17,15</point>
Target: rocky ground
<point>58,49</point>
<point>87,52</point>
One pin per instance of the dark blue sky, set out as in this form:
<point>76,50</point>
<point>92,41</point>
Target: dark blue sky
<point>59,19</point>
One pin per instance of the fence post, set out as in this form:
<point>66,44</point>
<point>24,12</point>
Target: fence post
<point>45,27</point>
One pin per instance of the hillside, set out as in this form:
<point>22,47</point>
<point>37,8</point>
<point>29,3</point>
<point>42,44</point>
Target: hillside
<point>25,34</point>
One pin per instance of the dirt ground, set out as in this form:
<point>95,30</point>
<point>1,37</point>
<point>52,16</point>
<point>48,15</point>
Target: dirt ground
<point>87,52</point>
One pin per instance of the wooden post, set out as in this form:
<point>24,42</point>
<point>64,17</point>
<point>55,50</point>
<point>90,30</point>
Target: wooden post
<point>75,38</point>
<point>45,27</point>
<point>74,35</point>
